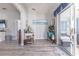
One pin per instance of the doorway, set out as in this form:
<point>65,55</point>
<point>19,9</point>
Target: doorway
<point>66,30</point>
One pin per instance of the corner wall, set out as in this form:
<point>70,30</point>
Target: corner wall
<point>11,17</point>
<point>40,30</point>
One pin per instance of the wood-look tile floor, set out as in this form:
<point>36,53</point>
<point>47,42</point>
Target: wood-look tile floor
<point>77,48</point>
<point>38,48</point>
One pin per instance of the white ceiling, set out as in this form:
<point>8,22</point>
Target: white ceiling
<point>43,7</point>
<point>40,7</point>
<point>8,6</point>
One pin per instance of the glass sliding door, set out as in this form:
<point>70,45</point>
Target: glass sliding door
<point>66,30</point>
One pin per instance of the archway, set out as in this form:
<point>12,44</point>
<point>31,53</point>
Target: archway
<point>23,18</point>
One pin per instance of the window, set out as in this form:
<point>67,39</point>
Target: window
<point>63,26</point>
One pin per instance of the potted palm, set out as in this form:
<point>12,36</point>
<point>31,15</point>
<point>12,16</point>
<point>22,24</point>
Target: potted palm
<point>28,29</point>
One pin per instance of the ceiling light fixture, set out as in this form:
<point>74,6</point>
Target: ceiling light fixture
<point>33,9</point>
<point>4,8</point>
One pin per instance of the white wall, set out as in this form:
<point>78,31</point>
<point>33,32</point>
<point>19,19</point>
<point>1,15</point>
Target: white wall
<point>50,17</point>
<point>43,11</point>
<point>11,15</point>
<point>40,31</point>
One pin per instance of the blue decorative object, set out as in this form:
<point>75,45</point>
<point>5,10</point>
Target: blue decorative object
<point>40,21</point>
<point>2,24</point>
<point>49,34</point>
<point>2,21</point>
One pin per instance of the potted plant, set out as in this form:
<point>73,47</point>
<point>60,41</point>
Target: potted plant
<point>28,29</point>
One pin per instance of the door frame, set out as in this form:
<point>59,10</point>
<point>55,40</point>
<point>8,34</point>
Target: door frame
<point>75,31</point>
<point>58,17</point>
<point>57,22</point>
